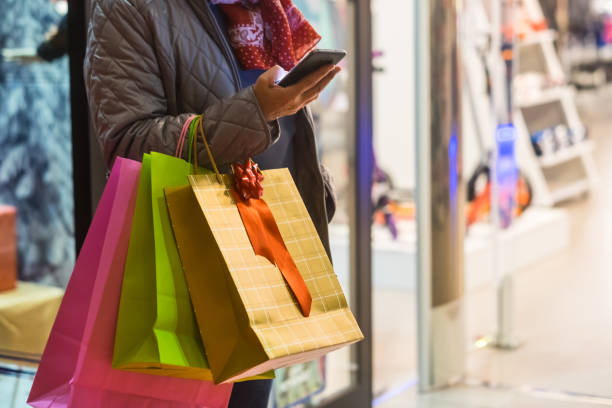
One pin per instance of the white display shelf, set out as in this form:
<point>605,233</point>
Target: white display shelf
<point>568,173</point>
<point>544,41</point>
<point>605,53</point>
<point>585,55</point>
<point>538,234</point>
<point>571,190</point>
<point>538,37</point>
<point>544,96</point>
<point>566,154</point>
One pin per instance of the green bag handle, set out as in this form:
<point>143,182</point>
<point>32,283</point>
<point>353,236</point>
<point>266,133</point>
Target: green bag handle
<point>192,135</point>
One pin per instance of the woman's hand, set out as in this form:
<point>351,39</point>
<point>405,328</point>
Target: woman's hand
<point>276,101</point>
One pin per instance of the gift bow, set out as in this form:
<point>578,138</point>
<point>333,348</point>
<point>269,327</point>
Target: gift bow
<point>247,180</point>
<point>263,231</point>
<point>259,221</point>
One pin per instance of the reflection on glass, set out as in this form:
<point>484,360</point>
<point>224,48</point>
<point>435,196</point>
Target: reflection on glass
<point>333,124</point>
<point>36,181</point>
<point>394,226</point>
<point>36,164</point>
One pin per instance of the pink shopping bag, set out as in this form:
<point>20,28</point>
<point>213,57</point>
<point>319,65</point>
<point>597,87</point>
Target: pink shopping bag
<point>75,371</point>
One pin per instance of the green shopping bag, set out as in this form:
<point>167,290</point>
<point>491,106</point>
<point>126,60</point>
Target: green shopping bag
<point>156,329</point>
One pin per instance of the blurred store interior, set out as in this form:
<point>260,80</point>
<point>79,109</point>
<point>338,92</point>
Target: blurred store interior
<point>510,308</point>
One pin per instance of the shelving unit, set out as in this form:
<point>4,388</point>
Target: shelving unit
<point>537,54</point>
<point>570,171</point>
<point>566,173</point>
<point>567,154</point>
<point>570,190</point>
<point>493,254</point>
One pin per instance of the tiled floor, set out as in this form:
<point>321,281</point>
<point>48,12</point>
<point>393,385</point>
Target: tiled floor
<point>480,397</point>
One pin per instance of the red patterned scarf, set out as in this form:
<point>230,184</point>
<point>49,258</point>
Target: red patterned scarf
<point>264,33</point>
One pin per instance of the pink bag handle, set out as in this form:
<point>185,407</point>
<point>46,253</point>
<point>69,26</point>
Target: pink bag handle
<point>181,141</point>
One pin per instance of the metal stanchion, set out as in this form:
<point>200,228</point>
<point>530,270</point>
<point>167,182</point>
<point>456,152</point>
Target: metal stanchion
<point>440,195</point>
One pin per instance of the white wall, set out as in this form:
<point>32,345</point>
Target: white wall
<point>393,34</point>
<point>394,92</point>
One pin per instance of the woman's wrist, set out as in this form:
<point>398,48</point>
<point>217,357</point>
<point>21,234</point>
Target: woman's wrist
<point>263,105</point>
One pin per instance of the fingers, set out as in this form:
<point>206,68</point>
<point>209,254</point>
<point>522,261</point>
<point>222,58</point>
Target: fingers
<point>308,101</point>
<point>311,79</point>
<point>318,88</point>
<point>277,101</point>
<point>271,75</point>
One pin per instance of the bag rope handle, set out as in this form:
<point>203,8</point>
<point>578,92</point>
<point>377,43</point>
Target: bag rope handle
<point>181,140</point>
<point>208,151</point>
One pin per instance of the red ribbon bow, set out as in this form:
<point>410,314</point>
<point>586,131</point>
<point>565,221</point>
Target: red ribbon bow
<point>247,180</point>
<point>263,231</point>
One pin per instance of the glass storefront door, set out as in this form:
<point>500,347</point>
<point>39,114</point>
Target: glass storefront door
<point>342,121</point>
<point>394,233</point>
<point>339,139</point>
<point>37,244</point>
<point>35,140</point>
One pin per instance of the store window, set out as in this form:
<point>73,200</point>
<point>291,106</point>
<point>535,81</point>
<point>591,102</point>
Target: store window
<point>37,245</point>
<point>394,226</point>
<point>334,126</point>
<point>36,170</point>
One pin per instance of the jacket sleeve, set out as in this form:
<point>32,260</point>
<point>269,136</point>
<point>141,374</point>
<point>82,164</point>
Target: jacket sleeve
<point>128,103</point>
<point>329,185</point>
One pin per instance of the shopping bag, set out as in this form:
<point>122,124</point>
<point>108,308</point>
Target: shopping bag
<point>75,370</point>
<point>156,328</point>
<point>156,331</point>
<point>250,320</point>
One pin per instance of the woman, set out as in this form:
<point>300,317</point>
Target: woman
<point>151,64</point>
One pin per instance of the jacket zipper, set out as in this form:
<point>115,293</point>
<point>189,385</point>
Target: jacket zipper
<point>229,54</point>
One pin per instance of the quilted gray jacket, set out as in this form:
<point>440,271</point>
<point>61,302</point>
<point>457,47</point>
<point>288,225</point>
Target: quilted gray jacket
<point>150,64</point>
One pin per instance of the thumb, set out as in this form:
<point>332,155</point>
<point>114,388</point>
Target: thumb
<point>272,75</point>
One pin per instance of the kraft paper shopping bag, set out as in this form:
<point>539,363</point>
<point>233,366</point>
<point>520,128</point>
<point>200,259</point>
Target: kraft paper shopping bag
<point>249,319</point>
<point>263,289</point>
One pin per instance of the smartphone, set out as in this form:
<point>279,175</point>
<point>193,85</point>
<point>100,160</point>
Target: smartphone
<point>314,60</point>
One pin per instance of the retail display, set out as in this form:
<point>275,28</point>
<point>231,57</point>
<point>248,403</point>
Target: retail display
<point>588,50</point>
<point>506,172</point>
<point>8,247</point>
<point>478,206</point>
<point>549,141</point>
<point>388,205</point>
<point>556,153</point>
<point>75,370</point>
<point>35,141</point>
<point>26,317</point>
